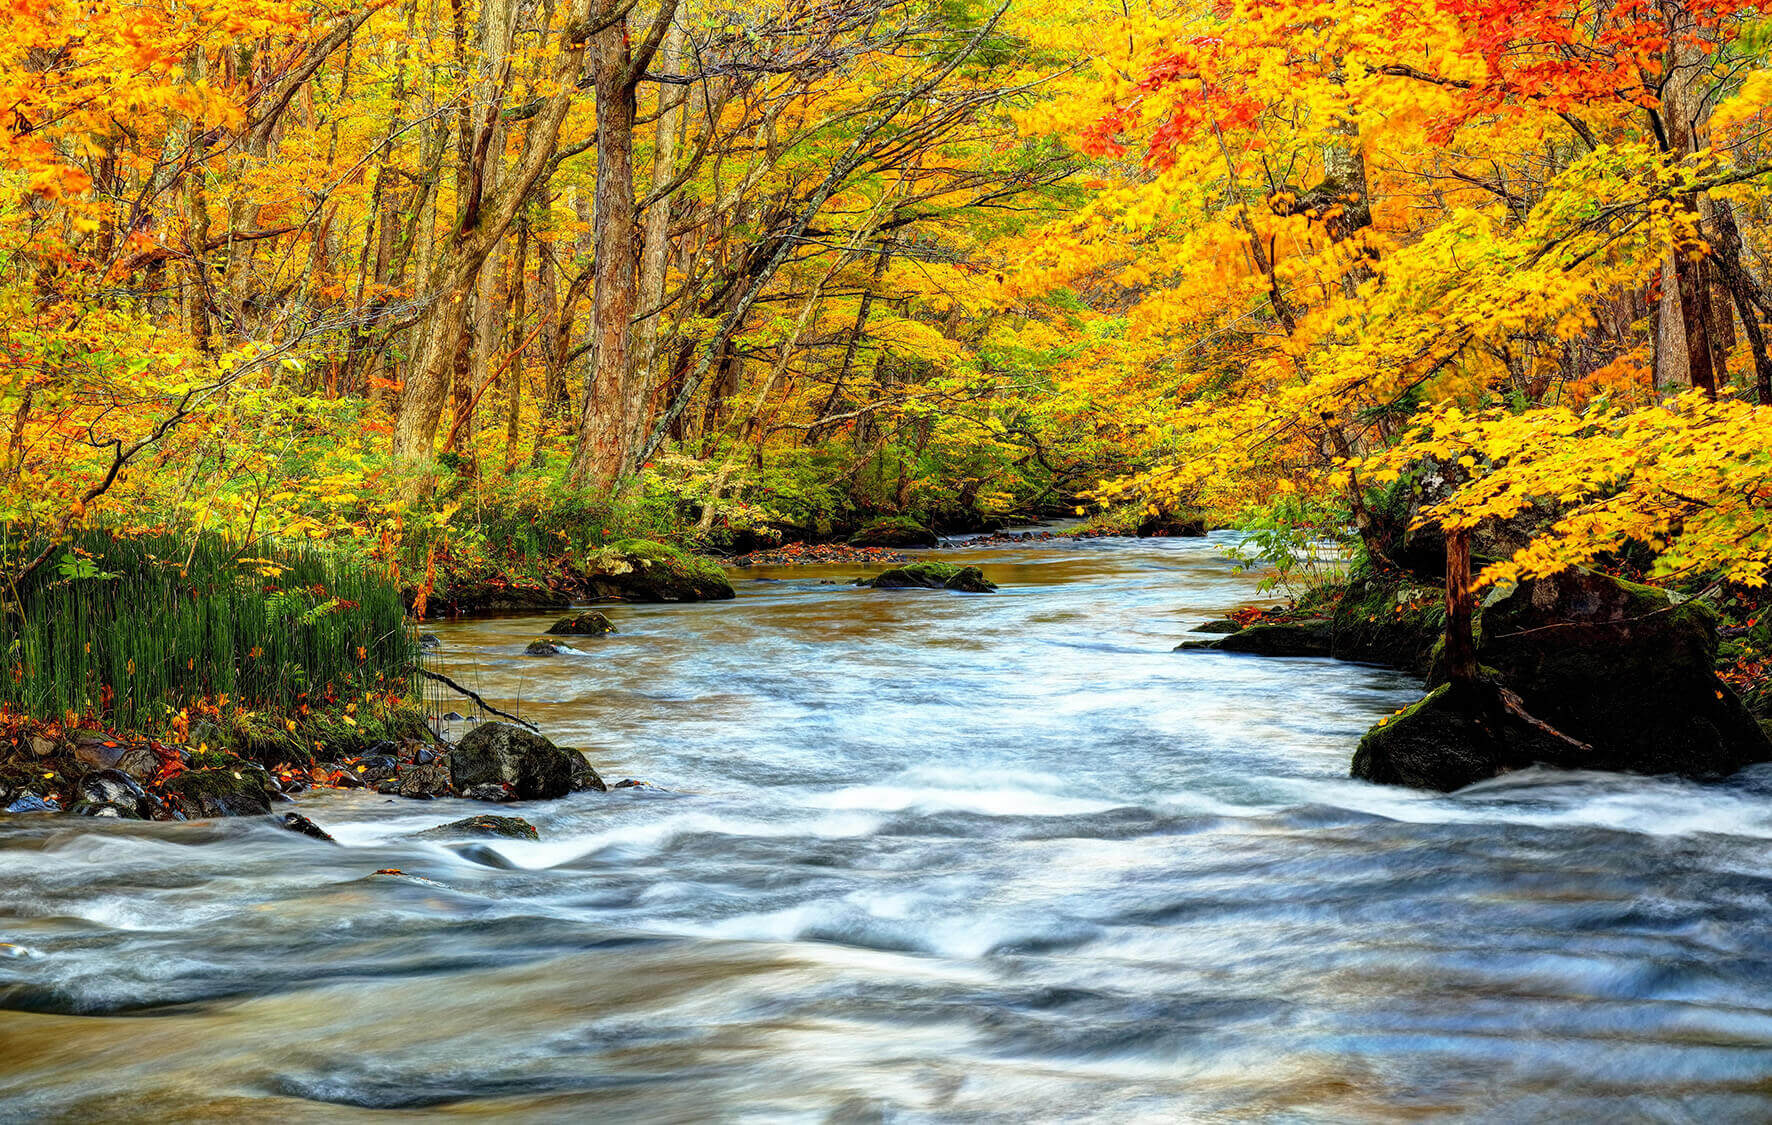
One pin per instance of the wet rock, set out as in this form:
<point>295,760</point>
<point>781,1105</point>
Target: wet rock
<point>584,775</point>
<point>424,782</point>
<point>242,791</point>
<point>373,768</point>
<point>1310,637</point>
<point>894,532</point>
<point>488,791</point>
<point>544,648</point>
<point>429,641</point>
<point>451,716</point>
<point>970,580</point>
<point>1218,625</point>
<point>32,803</point>
<point>639,570</point>
<point>98,751</point>
<point>503,754</point>
<point>484,826</point>
<point>112,793</point>
<point>42,747</point>
<point>473,597</point>
<point>296,822</point>
<point>1621,672</point>
<point>930,576</point>
<point>587,624</point>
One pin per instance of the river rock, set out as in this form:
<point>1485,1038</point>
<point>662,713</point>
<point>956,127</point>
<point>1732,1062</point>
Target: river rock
<point>894,532</point>
<point>587,624</point>
<point>1219,625</point>
<point>544,648</point>
<point>112,793</point>
<point>29,802</point>
<point>519,761</point>
<point>1179,527</point>
<point>298,823</point>
<point>424,781</point>
<point>1623,673</point>
<point>484,826</point>
<point>242,791</point>
<point>639,570</point>
<point>585,775</point>
<point>931,576</point>
<point>488,791</point>
<point>1310,637</point>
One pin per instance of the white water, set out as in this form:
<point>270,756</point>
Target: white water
<point>922,856</point>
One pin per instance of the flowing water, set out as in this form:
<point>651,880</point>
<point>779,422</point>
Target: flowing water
<point>917,856</point>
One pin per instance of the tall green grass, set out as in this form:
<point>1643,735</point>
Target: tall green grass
<point>162,621</point>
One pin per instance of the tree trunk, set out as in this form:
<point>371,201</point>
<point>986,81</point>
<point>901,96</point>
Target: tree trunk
<point>1461,600</point>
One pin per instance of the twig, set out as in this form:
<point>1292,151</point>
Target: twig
<point>475,696</point>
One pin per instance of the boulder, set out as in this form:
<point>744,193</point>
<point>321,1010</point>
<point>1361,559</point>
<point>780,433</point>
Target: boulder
<point>242,791</point>
<point>520,762</point>
<point>1310,637</point>
<point>1447,741</point>
<point>970,580</point>
<point>112,793</point>
<point>482,827</point>
<point>98,751</point>
<point>894,532</point>
<point>638,570</point>
<point>587,624</point>
<point>545,648</point>
<point>931,576</point>
<point>1619,673</point>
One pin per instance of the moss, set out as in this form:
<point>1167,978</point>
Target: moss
<point>642,570</point>
<point>1386,619</point>
<point>925,575</point>
<point>894,531</point>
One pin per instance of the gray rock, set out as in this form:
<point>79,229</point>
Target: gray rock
<point>515,759</point>
<point>113,793</point>
<point>483,826</point>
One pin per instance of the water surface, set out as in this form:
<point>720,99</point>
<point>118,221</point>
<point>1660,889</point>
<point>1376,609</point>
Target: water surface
<point>917,856</point>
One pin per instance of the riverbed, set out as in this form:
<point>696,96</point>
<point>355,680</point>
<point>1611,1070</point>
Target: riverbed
<point>916,856</point>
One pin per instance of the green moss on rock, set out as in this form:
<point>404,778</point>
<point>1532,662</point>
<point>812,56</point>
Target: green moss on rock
<point>639,570</point>
<point>894,531</point>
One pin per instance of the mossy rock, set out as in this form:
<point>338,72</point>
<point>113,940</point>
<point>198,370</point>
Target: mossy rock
<point>587,624</point>
<point>639,570</point>
<point>931,576</point>
<point>243,789</point>
<point>1390,622</point>
<point>484,827</point>
<point>894,531</point>
<point>1311,637</point>
<point>1620,670</point>
<point>544,648</point>
<point>518,761</point>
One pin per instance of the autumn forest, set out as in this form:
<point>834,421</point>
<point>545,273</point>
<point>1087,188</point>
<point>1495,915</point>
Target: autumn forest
<point>433,406</point>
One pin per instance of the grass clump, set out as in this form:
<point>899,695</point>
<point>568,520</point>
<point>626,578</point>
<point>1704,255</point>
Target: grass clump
<point>156,633</point>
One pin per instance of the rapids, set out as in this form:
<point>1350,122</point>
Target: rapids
<point>916,856</point>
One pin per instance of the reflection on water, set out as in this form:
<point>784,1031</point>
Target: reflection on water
<point>923,856</point>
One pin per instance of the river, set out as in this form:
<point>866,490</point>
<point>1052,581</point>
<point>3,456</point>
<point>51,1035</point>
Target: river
<point>917,856</point>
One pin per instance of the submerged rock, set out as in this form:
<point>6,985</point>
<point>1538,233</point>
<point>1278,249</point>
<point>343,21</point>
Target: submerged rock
<point>639,570</point>
<point>1619,672</point>
<point>517,761</point>
<point>587,624</point>
<point>28,802</point>
<point>894,532</point>
<point>484,826</point>
<point>545,648</point>
<point>298,823</point>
